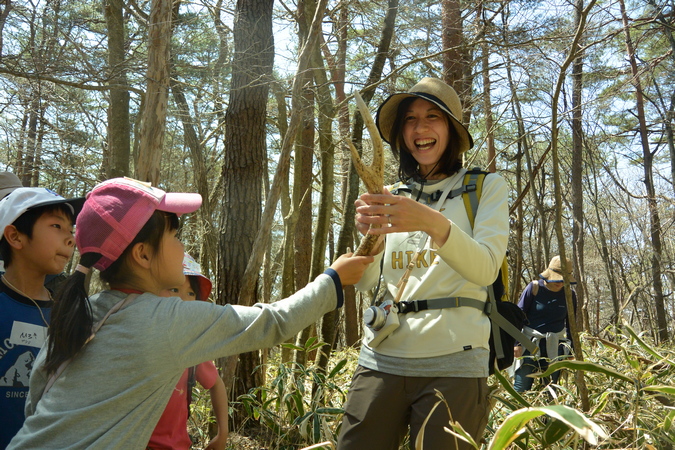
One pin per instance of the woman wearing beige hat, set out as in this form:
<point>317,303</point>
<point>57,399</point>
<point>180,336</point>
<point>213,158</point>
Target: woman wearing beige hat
<point>422,337</point>
<point>544,304</point>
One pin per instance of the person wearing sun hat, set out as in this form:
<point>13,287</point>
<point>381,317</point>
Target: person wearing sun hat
<point>543,302</point>
<point>36,241</point>
<point>436,349</point>
<point>112,360</point>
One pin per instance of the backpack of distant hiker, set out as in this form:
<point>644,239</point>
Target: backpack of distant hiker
<point>506,318</point>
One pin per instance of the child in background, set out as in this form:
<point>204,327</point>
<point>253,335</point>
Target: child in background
<point>36,240</point>
<point>107,386</point>
<point>171,430</point>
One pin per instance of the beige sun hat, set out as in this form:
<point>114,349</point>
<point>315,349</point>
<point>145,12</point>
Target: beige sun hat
<point>435,91</point>
<point>554,271</point>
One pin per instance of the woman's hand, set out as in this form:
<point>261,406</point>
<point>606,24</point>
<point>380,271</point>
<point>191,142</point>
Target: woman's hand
<point>396,213</point>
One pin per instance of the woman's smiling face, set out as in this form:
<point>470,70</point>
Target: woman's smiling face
<point>426,133</point>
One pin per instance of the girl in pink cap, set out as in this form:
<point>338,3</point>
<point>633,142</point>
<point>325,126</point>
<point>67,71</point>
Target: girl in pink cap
<point>112,360</point>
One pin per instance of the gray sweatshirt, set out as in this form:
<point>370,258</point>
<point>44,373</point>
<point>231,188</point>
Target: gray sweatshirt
<point>114,391</point>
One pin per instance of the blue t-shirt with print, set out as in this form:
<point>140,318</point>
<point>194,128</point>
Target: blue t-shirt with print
<point>22,333</point>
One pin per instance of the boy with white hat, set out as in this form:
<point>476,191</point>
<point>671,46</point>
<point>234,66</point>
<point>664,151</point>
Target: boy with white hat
<point>36,240</point>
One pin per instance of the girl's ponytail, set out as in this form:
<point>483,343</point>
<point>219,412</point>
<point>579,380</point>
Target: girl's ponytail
<point>71,317</point>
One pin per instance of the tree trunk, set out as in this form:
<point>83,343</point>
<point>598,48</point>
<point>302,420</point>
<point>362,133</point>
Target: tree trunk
<point>200,171</point>
<point>667,29</point>
<point>303,177</point>
<point>243,166</point>
<point>352,327</point>
<point>346,236</point>
<point>119,138</point>
<point>577,178</point>
<point>156,96</point>
<point>326,110</point>
<point>27,168</point>
<point>606,258</point>
<point>487,100</point>
<point>4,13</point>
<point>578,351</point>
<point>523,150</point>
<point>455,58</point>
<point>654,219</point>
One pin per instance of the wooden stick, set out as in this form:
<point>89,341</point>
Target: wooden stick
<point>372,175</point>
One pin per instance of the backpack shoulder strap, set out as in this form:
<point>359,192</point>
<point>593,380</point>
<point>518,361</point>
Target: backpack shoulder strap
<point>535,287</point>
<point>191,382</point>
<point>473,182</point>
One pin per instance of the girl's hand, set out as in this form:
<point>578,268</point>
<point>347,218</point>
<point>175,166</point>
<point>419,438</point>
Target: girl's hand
<point>217,443</point>
<point>350,268</point>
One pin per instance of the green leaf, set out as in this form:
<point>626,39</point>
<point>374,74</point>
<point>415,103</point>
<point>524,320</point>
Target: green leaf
<point>292,347</point>
<point>554,431</point>
<point>514,424</point>
<point>458,431</point>
<point>646,347</point>
<point>586,367</point>
<point>338,367</point>
<point>331,411</point>
<point>506,384</point>
<point>633,362</point>
<point>317,429</point>
<point>310,342</point>
<point>668,421</point>
<point>670,390</point>
<point>315,346</point>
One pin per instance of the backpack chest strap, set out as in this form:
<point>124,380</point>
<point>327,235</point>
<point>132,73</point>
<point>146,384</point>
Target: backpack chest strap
<point>485,306</point>
<point>432,197</point>
<point>440,303</point>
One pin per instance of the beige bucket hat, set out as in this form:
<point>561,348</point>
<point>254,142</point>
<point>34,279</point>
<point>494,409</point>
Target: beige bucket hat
<point>554,271</point>
<point>435,91</point>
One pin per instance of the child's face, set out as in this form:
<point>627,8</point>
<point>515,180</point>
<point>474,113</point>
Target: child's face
<point>168,269</point>
<point>52,243</point>
<point>184,291</point>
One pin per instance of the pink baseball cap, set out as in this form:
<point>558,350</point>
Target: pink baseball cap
<point>191,268</point>
<point>117,209</point>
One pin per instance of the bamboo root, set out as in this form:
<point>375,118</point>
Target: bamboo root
<point>372,175</point>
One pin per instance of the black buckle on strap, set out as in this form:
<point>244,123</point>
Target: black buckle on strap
<point>471,187</point>
<point>435,196</point>
<point>412,306</point>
